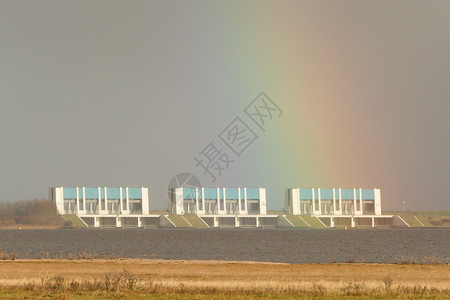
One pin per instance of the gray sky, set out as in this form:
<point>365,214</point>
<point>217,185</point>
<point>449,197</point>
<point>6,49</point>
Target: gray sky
<point>126,93</point>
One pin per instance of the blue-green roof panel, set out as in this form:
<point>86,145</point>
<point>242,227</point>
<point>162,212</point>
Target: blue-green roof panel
<point>306,194</point>
<point>253,194</point>
<point>134,193</point>
<point>69,193</point>
<point>368,194</point>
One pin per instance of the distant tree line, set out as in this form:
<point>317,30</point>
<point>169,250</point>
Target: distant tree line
<point>29,212</point>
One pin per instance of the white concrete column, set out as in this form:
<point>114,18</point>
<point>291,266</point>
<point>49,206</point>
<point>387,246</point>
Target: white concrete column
<point>334,203</point>
<point>106,203</point>
<point>197,208</point>
<point>373,222</point>
<point>336,207</point>
<point>128,201</point>
<point>359,200</point>
<point>217,203</point>
<point>84,197</point>
<point>262,201</point>
<point>99,196</point>
<point>100,203</point>
<point>219,210</point>
<point>96,221</point>
<point>100,209</point>
<point>203,200</point>
<point>225,200</point>
<point>145,204</point>
<point>313,201</point>
<point>118,222</point>
<point>179,208</point>
<point>236,222</point>
<point>239,201</point>
<point>257,221</point>
<point>295,208</point>
<point>120,200</point>
<point>353,221</point>
<point>245,201</point>
<point>331,222</point>
<point>354,201</point>
<point>320,202</point>
<point>77,200</point>
<point>216,222</point>
<point>222,210</point>
<point>377,201</point>
<point>58,195</point>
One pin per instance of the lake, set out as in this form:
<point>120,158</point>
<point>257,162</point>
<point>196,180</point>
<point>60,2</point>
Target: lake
<point>393,245</point>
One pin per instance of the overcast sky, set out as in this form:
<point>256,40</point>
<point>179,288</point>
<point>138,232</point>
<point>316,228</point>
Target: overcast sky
<point>126,93</point>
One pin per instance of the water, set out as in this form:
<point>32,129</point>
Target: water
<point>271,245</point>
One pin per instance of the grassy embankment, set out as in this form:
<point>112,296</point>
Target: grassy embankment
<point>141,279</point>
<point>424,218</point>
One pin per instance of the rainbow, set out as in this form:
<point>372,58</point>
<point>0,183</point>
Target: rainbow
<point>320,140</point>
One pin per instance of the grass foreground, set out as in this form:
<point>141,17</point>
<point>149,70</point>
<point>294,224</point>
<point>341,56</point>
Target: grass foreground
<point>165,279</point>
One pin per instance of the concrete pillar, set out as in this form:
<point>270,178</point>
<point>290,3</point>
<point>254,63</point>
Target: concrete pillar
<point>294,208</point>
<point>59,199</point>
<point>353,222</point>
<point>179,201</point>
<point>101,210</point>
<point>358,201</point>
<point>120,201</point>
<point>236,222</point>
<point>373,222</point>
<point>84,197</point>
<point>216,222</point>
<point>203,201</point>
<point>224,200</point>
<point>128,201</point>
<point>257,221</point>
<point>377,200</point>
<point>320,202</point>
<point>96,221</point>
<point>78,202</point>
<point>340,200</point>
<point>262,202</point>
<point>239,201</point>
<point>245,201</point>
<point>118,222</point>
<point>221,210</point>
<point>313,201</point>
<point>99,196</point>
<point>106,202</point>
<point>197,208</point>
<point>334,204</point>
<point>331,222</point>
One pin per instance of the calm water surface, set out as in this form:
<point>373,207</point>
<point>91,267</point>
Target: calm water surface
<point>274,245</point>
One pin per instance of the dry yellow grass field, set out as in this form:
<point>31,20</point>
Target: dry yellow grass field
<point>198,279</point>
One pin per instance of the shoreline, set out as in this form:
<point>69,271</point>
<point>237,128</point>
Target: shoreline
<point>24,227</point>
<point>204,262</point>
